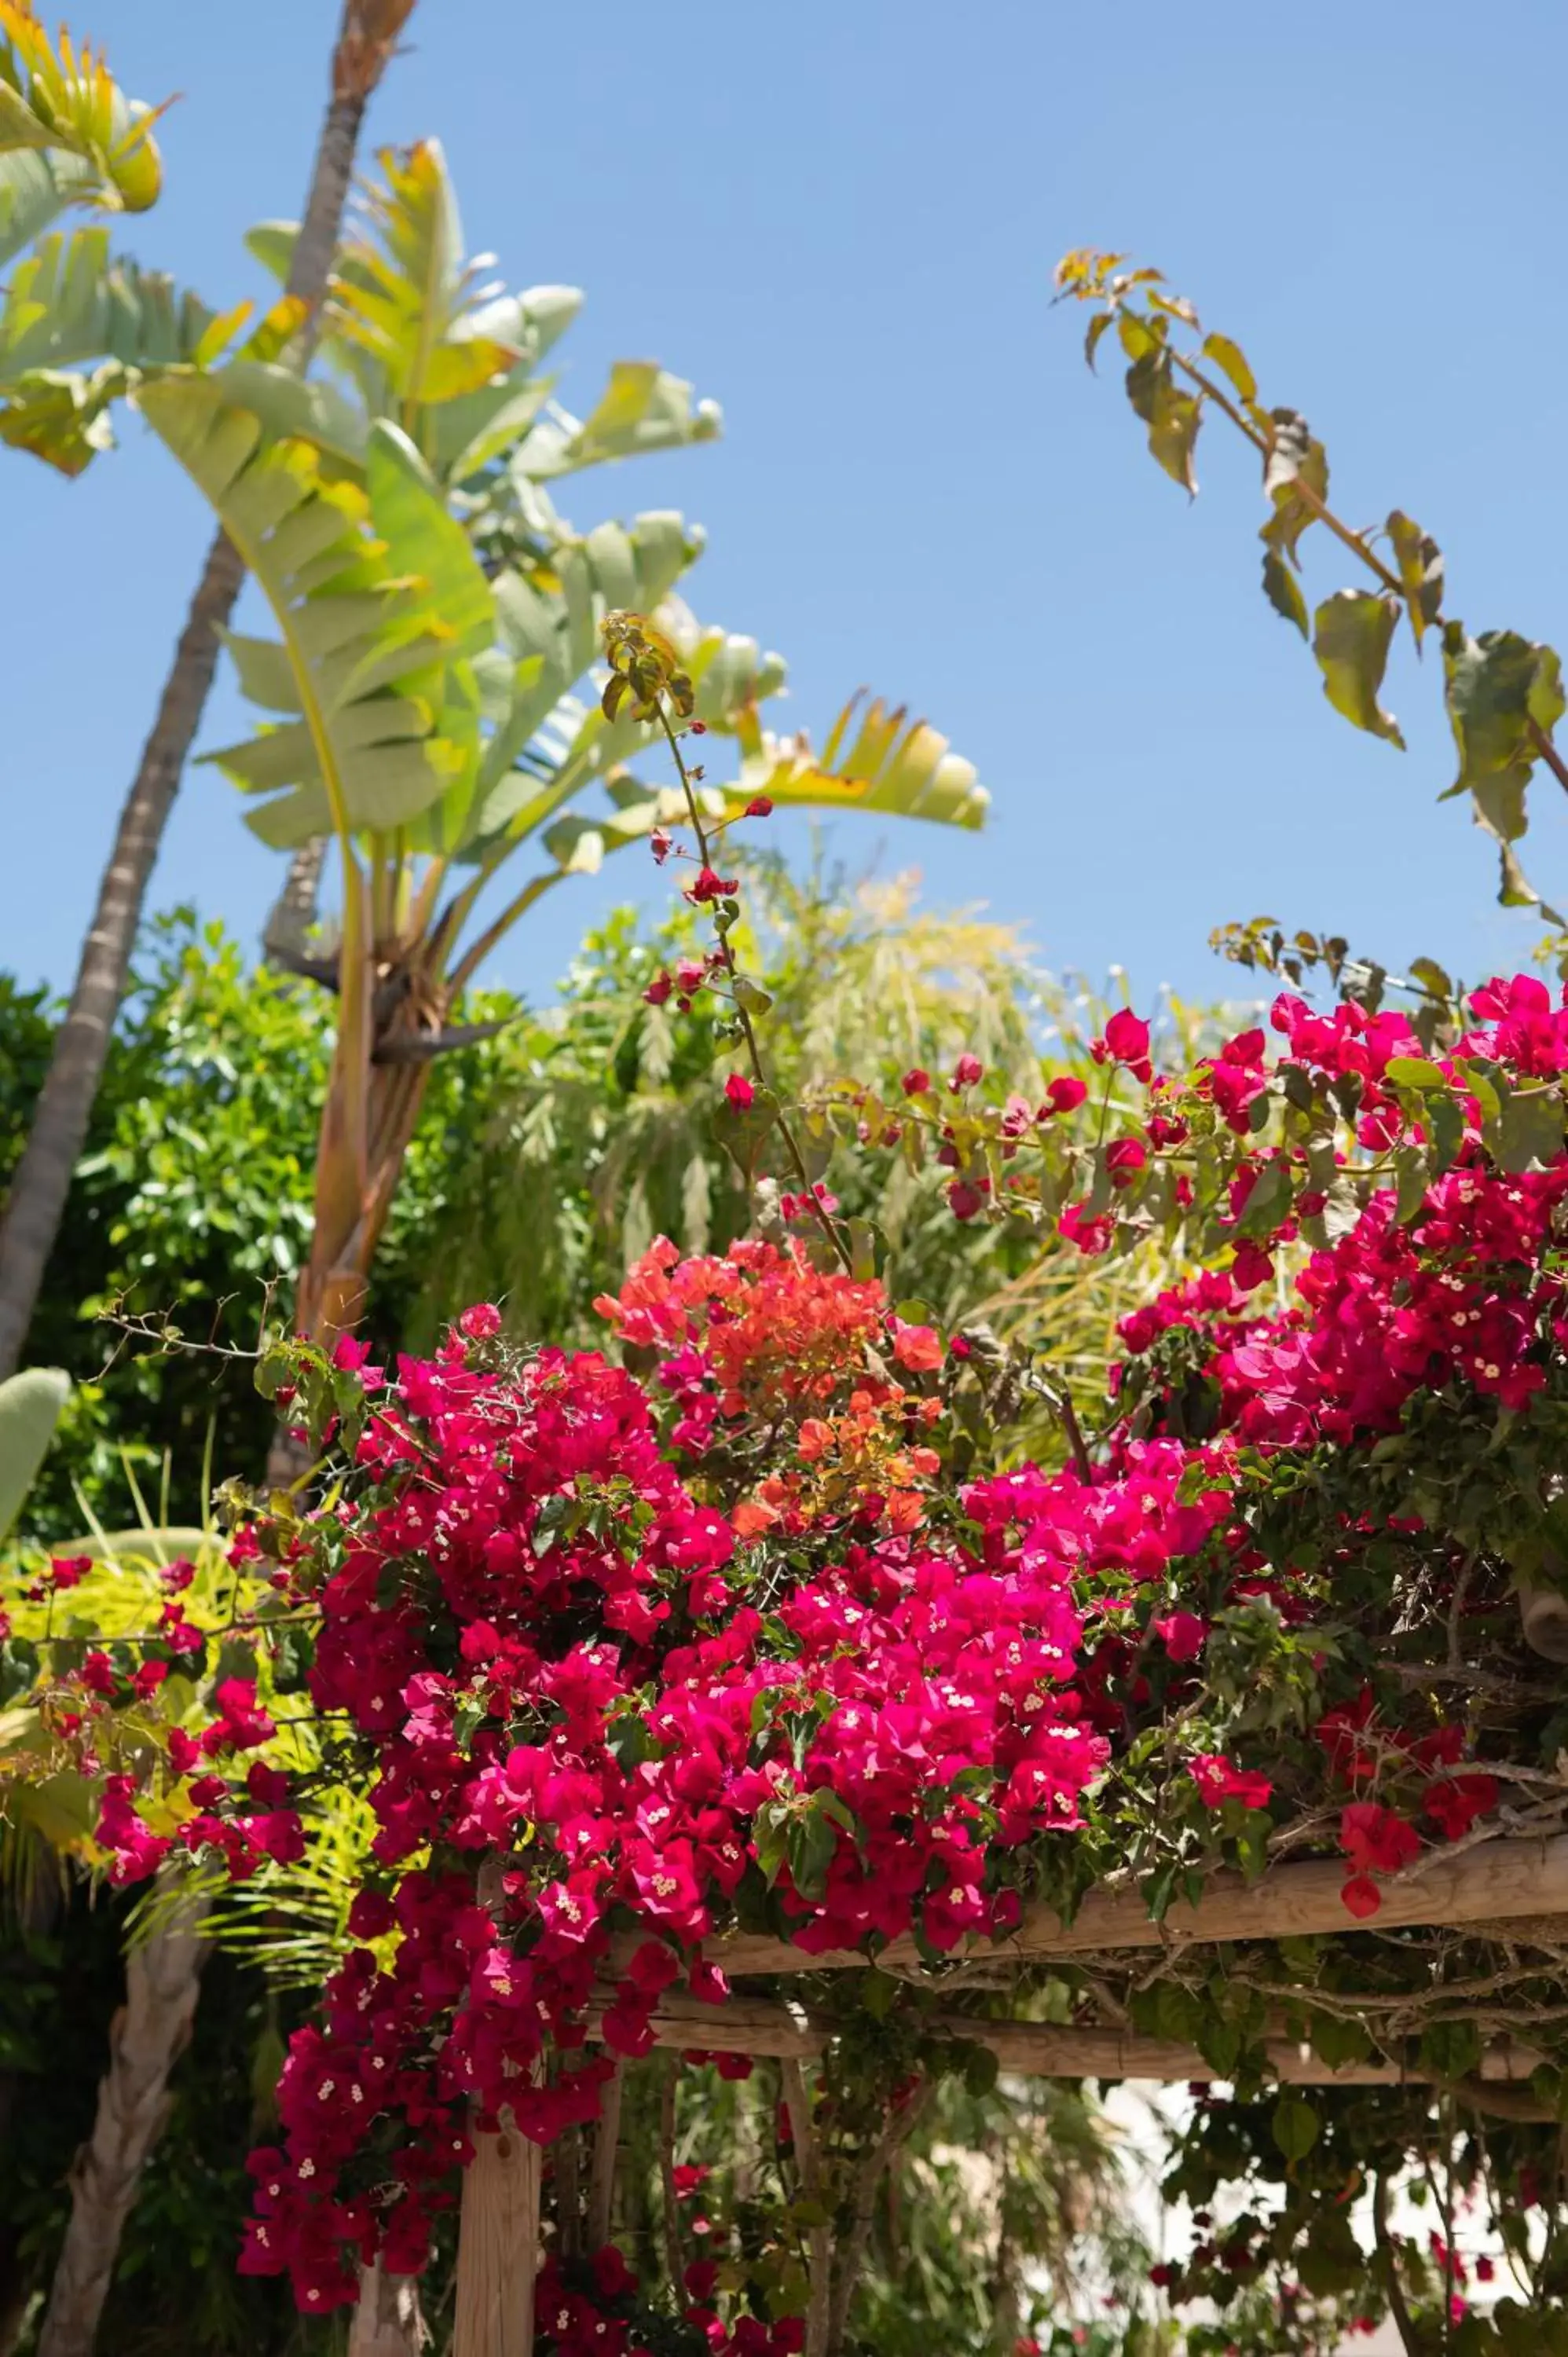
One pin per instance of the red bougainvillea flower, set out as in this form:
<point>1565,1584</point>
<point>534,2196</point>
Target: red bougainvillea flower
<point>1218,1780</point>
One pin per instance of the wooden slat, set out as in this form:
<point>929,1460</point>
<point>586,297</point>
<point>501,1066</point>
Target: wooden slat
<point>1034,2049</point>
<point>1496,1881</point>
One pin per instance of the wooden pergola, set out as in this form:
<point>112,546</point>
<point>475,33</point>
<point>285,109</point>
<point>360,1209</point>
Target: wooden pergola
<point>1510,1890</point>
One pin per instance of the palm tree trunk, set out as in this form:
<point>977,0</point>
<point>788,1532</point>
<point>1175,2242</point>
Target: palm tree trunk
<point>162,1975</point>
<point>149,2034</point>
<point>367,38</point>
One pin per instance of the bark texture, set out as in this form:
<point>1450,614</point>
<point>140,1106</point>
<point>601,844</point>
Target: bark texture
<point>367,37</point>
<point>146,2038</point>
<point>387,2322</point>
<point>162,1975</point>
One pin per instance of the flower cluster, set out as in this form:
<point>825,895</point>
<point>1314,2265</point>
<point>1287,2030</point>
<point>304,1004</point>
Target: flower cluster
<point>638,1654</point>
<point>579,1678</point>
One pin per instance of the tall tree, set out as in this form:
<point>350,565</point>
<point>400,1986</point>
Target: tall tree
<point>367,37</point>
<point>164,1973</point>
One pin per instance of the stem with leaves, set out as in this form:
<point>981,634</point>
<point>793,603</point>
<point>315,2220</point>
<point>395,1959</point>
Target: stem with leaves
<point>1504,693</point>
<point>659,703</point>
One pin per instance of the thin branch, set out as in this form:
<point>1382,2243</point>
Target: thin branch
<point>675,2257</point>
<point>819,2238</point>
<point>874,2167</point>
<point>1398,2306</point>
<point>823,1218</point>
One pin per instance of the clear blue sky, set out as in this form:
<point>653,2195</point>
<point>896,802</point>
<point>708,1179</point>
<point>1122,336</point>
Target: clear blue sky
<point>840,219</point>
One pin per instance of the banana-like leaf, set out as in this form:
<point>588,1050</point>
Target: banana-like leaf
<point>61,415</point>
<point>30,1405</point>
<point>303,408</point>
<point>405,300</point>
<point>56,99</point>
<point>406,321</point>
<point>464,430</point>
<point>34,189</point>
<point>71,302</point>
<point>907,772</point>
<point>381,605</point>
<point>890,763</point>
<point>642,408</point>
<point>543,746</point>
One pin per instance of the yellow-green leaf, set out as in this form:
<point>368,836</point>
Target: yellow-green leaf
<point>1353,632</point>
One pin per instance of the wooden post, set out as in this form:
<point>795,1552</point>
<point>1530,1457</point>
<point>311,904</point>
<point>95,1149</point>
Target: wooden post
<point>498,2247</point>
<point>606,2142</point>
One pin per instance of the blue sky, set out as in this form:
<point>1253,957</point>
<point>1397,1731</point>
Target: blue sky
<point>840,219</point>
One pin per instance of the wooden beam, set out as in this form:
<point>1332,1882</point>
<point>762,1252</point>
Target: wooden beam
<point>498,2247</point>
<point>1033,2050</point>
<point>1490,1883</point>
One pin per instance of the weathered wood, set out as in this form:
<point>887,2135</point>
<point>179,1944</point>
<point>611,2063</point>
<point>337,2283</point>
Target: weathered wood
<point>498,2247</point>
<point>1495,1880</point>
<point>607,2146</point>
<point>387,2321</point>
<point>1032,2049</point>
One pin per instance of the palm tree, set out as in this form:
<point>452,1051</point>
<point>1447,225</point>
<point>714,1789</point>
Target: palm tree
<point>367,37</point>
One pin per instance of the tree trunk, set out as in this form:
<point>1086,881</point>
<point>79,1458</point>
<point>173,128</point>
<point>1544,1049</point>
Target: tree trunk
<point>162,1974</point>
<point>367,37</point>
<point>347,1226</point>
<point>146,2038</point>
<point>387,2322</point>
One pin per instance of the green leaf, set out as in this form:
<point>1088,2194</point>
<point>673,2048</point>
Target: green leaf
<point>1233,360</point>
<point>1501,690</point>
<point>426,544</point>
<point>1097,328</point>
<point>71,301</point>
<point>61,415</point>
<point>1294,2126</point>
<point>1353,630</point>
<point>1444,1119</point>
<point>376,626</point>
<point>1282,591</point>
<point>1450,2048</point>
<point>1420,563</point>
<point>1414,1073</point>
<point>812,1845</point>
<point>1529,1130</point>
<point>642,408</point>
<point>890,764</point>
<point>1495,687</point>
<point>34,189</point>
<point>1337,2042</point>
<point>1173,416</point>
<point>1268,1202</point>
<point>30,1407</point>
<point>288,404</point>
<point>1413,1176</point>
<point>405,307</point>
<point>743,1130</point>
